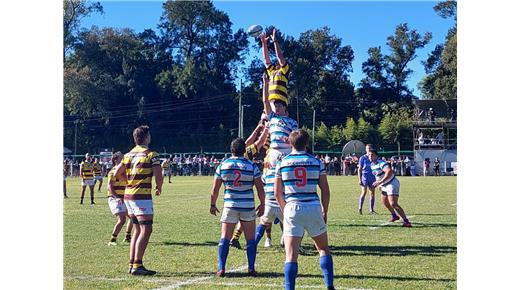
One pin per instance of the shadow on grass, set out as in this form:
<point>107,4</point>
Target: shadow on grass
<point>361,277</point>
<point>392,251</point>
<point>397,225</point>
<point>186,244</point>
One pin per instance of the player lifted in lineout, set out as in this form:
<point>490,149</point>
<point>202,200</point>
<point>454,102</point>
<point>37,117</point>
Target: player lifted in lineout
<point>276,101</point>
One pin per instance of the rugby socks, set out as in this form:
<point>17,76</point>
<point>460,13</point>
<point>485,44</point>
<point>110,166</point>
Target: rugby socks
<point>251,254</point>
<point>328,270</point>
<point>268,232</point>
<point>137,264</point>
<point>405,220</point>
<point>290,270</point>
<point>223,251</point>
<point>128,236</point>
<point>237,235</point>
<point>372,201</point>
<point>394,215</point>
<point>130,264</point>
<point>361,201</point>
<point>260,229</point>
<point>114,238</point>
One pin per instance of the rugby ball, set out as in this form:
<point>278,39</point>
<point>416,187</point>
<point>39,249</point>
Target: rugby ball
<point>254,30</point>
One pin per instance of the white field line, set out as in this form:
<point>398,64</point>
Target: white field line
<point>454,204</point>
<point>97,278</point>
<point>386,223</point>
<point>197,280</point>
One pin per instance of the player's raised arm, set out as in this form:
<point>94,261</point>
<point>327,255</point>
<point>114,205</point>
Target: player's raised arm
<point>263,137</point>
<point>265,49</point>
<point>278,50</point>
<point>251,139</point>
<point>265,95</point>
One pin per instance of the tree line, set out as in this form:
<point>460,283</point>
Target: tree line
<point>181,79</point>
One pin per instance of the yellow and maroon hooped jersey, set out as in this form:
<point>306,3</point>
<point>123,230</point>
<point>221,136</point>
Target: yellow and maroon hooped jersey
<point>138,165</point>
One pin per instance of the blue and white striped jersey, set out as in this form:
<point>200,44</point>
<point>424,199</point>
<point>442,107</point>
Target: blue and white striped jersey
<point>378,170</point>
<point>268,180</point>
<point>238,175</point>
<point>279,129</point>
<point>300,173</point>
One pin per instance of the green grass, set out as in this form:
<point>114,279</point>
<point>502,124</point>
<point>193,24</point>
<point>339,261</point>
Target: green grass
<point>183,245</point>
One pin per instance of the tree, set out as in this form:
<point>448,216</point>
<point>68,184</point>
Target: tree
<point>441,65</point>
<point>322,136</point>
<point>73,12</point>
<point>350,129</point>
<point>395,128</point>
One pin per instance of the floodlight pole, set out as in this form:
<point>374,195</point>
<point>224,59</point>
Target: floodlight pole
<point>75,134</point>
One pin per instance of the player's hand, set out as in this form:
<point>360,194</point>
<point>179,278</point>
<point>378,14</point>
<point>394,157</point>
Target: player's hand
<point>260,210</point>
<point>263,37</point>
<point>360,183</point>
<point>273,36</point>
<point>213,210</point>
<point>375,184</point>
<point>157,192</point>
<point>324,217</point>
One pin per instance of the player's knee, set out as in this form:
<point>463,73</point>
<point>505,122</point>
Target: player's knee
<point>394,204</point>
<point>324,251</point>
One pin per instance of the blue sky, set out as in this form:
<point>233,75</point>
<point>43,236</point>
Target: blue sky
<point>361,24</point>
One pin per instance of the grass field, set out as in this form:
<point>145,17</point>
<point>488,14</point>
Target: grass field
<point>368,253</point>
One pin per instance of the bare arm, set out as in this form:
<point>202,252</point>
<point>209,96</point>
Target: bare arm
<point>388,172</point>
<point>261,140</point>
<point>157,173</point>
<point>265,49</point>
<point>261,196</point>
<point>251,139</point>
<point>325,195</point>
<point>278,192</point>
<point>120,172</point>
<point>265,95</point>
<point>277,50</point>
<point>359,172</point>
<point>217,183</point>
<point>81,171</point>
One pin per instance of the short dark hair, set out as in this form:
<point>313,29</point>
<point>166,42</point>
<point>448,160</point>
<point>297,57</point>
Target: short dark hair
<point>299,139</point>
<point>281,102</point>
<point>238,147</point>
<point>140,134</point>
<point>369,145</point>
<point>115,156</point>
<point>373,151</point>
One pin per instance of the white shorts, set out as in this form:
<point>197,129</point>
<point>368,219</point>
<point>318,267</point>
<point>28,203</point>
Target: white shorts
<point>276,155</point>
<point>139,207</point>
<point>391,188</point>
<point>270,213</point>
<point>298,218</point>
<point>87,182</point>
<point>116,205</point>
<point>99,177</point>
<point>232,216</point>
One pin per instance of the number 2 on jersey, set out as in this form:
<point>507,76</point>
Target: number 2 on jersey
<point>300,173</point>
<point>237,174</point>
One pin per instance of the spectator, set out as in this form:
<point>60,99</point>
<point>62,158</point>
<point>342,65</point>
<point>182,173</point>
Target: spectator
<point>412,168</point>
<point>407,163</point>
<point>426,166</point>
<point>346,164</point>
<point>440,138</point>
<point>431,116</point>
<point>437,166</point>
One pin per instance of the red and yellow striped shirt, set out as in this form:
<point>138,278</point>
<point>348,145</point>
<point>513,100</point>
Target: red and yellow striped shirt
<point>85,170</point>
<point>97,169</point>
<point>118,186</point>
<point>138,166</point>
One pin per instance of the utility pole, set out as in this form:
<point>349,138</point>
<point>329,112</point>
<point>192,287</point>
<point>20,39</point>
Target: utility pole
<point>313,125</point>
<point>240,128</point>
<point>297,106</point>
<point>75,134</point>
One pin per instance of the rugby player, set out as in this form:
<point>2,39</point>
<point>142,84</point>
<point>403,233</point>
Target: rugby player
<point>138,167</point>
<point>297,176</point>
<point>97,173</point>
<point>238,176</point>
<point>366,179</point>
<point>389,184</point>
<point>87,178</point>
<point>275,102</point>
<point>115,194</point>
